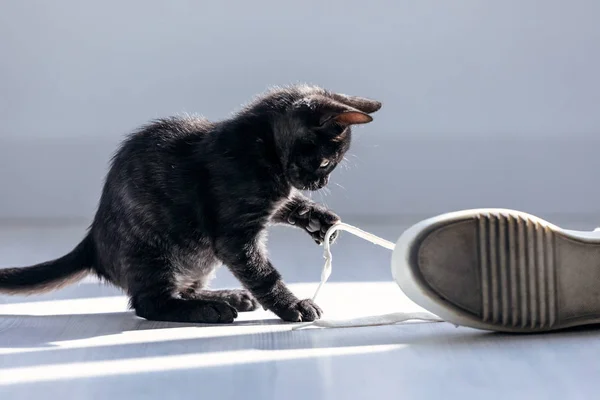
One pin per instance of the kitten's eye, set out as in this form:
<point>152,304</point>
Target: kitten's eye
<point>324,163</point>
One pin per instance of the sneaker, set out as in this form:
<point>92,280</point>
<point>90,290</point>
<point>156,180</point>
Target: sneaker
<point>501,270</point>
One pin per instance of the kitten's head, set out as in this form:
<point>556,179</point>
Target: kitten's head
<point>312,130</point>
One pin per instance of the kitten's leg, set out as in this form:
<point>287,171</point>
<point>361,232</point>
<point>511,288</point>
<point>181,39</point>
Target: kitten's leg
<point>304,213</point>
<point>243,253</point>
<point>240,299</point>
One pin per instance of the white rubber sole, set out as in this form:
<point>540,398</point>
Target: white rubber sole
<point>500,270</point>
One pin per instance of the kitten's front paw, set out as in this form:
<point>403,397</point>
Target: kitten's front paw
<point>316,220</point>
<point>301,311</point>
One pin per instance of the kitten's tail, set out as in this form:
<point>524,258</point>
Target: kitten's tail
<point>50,275</point>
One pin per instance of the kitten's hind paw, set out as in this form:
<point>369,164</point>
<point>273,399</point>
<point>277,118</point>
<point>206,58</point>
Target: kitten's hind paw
<point>183,310</point>
<point>216,312</point>
<point>240,299</point>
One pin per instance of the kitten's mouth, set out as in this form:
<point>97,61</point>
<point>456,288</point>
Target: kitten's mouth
<point>318,184</point>
<point>302,182</point>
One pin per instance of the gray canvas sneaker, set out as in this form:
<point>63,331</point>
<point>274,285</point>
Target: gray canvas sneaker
<point>501,270</point>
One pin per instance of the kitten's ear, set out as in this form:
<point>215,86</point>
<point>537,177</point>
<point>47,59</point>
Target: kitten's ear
<point>352,118</point>
<point>334,111</point>
<point>365,105</point>
<point>345,116</point>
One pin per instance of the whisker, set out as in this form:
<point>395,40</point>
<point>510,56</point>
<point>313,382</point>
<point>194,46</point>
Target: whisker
<point>323,200</point>
<point>345,164</point>
<point>338,185</point>
<point>353,161</point>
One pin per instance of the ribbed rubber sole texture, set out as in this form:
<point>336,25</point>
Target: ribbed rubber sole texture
<point>518,284</point>
<point>502,270</point>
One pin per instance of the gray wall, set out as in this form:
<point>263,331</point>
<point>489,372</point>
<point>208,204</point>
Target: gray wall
<point>486,103</point>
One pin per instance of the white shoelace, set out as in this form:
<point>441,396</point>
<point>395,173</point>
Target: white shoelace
<point>385,319</point>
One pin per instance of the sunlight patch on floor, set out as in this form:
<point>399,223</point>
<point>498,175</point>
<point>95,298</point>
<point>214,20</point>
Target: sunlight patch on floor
<point>339,300</point>
<point>69,371</point>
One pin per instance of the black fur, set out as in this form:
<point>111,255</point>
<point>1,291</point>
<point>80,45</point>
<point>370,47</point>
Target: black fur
<point>184,195</point>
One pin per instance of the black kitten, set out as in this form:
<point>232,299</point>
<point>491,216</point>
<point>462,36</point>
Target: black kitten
<point>184,195</point>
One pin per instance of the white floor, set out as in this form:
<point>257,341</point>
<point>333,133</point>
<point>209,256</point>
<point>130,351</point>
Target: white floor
<point>83,343</point>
